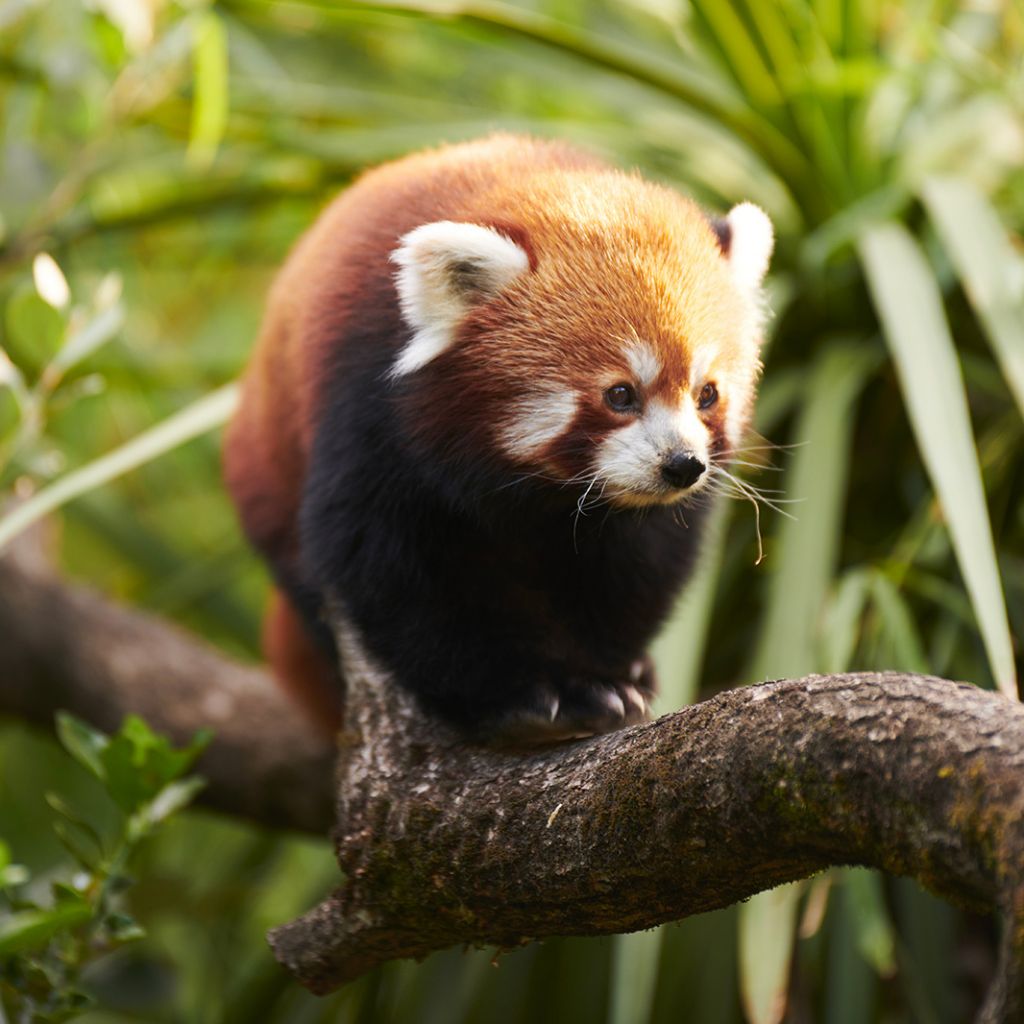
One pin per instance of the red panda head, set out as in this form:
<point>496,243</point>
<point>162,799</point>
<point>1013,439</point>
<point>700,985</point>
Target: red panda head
<point>589,328</point>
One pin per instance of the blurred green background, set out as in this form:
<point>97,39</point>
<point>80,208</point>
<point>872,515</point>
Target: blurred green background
<point>167,154</point>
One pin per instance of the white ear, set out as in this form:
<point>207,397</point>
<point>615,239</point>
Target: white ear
<point>446,269</point>
<point>751,240</point>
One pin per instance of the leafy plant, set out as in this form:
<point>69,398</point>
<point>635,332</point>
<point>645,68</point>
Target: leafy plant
<point>188,145</point>
<point>45,947</point>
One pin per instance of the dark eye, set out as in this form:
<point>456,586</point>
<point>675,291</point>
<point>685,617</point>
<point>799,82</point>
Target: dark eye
<point>621,397</point>
<point>708,396</point>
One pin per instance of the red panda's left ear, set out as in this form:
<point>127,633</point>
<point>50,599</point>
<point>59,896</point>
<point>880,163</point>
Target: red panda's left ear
<point>445,269</point>
<point>747,239</point>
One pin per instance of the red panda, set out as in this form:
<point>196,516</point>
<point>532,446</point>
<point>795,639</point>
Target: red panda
<point>493,383</point>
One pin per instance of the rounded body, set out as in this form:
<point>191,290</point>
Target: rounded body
<point>492,386</point>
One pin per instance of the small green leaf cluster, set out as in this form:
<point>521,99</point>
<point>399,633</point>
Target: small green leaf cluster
<point>44,337</point>
<point>51,930</point>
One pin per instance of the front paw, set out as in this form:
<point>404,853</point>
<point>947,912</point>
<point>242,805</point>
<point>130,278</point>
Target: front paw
<point>577,708</point>
<point>587,707</point>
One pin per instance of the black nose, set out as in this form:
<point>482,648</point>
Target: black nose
<point>682,470</point>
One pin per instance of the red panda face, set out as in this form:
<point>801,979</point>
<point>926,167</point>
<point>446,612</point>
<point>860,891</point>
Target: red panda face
<point>605,339</point>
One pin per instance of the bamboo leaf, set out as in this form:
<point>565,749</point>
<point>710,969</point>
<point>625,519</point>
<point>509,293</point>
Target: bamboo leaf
<point>688,82</point>
<point>678,652</point>
<point>841,627</point>
<point>807,549</point>
<point>803,563</point>
<point>204,415</point>
<point>990,268</point>
<point>872,925</point>
<point>767,930</point>
<point>634,976</point>
<point>210,96</point>
<point>909,305</point>
<point>897,625</point>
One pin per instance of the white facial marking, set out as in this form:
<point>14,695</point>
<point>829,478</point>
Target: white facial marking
<point>644,362</point>
<point>445,269</point>
<point>538,420</point>
<point>751,240</point>
<point>630,459</point>
<point>700,367</point>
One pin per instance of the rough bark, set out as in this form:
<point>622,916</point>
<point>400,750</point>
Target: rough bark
<point>441,843</point>
<point>65,647</point>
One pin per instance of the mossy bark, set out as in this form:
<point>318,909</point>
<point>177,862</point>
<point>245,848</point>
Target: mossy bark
<point>443,844</point>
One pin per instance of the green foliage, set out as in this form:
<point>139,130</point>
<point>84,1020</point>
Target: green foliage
<point>44,949</point>
<point>167,158</point>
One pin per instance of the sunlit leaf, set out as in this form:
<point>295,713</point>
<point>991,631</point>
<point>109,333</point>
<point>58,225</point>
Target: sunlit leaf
<point>172,798</point>
<point>34,330</point>
<point>50,282</point>
<point>991,269</point>
<point>210,88</point>
<point>81,741</point>
<point>11,874</point>
<point>910,307</point>
<point>29,929</point>
<point>138,764</point>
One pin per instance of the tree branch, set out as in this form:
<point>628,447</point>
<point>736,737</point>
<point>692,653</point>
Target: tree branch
<point>66,647</point>
<point>441,843</point>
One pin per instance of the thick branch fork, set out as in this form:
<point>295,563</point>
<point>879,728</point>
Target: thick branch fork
<point>443,844</point>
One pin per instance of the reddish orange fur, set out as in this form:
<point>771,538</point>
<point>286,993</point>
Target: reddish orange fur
<point>300,667</point>
<point>664,240</point>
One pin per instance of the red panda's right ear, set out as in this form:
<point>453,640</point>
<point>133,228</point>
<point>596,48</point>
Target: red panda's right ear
<point>445,269</point>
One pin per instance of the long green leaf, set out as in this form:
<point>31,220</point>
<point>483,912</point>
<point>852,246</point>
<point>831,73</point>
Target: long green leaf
<point>683,80</point>
<point>679,652</point>
<point>634,976</point>
<point>210,92</point>
<point>865,900</point>
<point>803,564</point>
<point>29,929</point>
<point>990,268</point>
<point>767,927</point>
<point>204,415</point>
<point>803,558</point>
<point>909,305</point>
